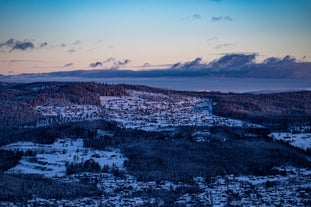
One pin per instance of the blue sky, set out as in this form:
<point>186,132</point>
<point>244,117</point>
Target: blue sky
<point>72,34</point>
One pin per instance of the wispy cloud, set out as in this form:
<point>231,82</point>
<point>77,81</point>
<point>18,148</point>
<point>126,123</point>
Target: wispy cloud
<point>110,63</point>
<point>55,66</point>
<point>43,44</point>
<point>196,16</point>
<point>109,60</point>
<point>221,18</point>
<point>146,65</point>
<point>68,65</point>
<point>286,60</point>
<point>74,46</point>
<point>192,64</point>
<point>22,61</point>
<point>96,64</point>
<point>212,39</point>
<point>154,66</point>
<point>196,63</point>
<point>176,65</point>
<point>9,43</point>
<point>224,45</point>
<point>193,17</point>
<point>77,42</point>
<point>13,44</point>
<point>120,64</point>
<point>22,46</point>
<point>71,50</point>
<point>233,61</point>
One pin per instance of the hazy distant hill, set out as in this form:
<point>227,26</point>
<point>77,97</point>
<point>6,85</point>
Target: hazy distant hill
<point>18,101</point>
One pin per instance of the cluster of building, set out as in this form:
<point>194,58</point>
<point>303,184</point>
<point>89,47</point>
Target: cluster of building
<point>141,110</point>
<point>292,188</point>
<point>148,111</point>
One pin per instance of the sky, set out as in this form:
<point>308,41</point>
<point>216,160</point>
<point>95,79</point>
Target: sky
<point>61,35</point>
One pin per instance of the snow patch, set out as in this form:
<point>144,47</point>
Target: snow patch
<point>302,140</point>
<point>50,160</point>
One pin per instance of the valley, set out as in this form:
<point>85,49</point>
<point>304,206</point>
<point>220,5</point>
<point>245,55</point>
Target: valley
<point>127,145</point>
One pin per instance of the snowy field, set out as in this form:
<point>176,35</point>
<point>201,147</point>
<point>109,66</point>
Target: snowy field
<point>50,159</point>
<point>301,140</point>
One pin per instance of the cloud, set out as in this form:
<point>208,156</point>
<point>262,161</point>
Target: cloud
<point>96,64</point>
<point>225,45</point>
<point>68,65</point>
<point>212,39</point>
<point>13,44</point>
<point>286,60</point>
<point>238,65</point>
<point>191,18</point>
<point>111,63</point>
<point>233,61</point>
<point>22,46</point>
<point>9,43</point>
<point>55,66</point>
<point>176,65</point>
<point>77,42</point>
<point>146,65</point>
<point>63,45</point>
<point>109,60</point>
<point>120,64</point>
<point>196,63</point>
<point>43,44</point>
<point>72,50</point>
<point>23,61</point>
<point>156,66</point>
<point>196,16</point>
<point>221,18</point>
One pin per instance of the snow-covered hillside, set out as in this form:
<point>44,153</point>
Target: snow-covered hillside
<point>50,160</point>
<point>142,110</point>
<point>67,113</point>
<point>150,111</point>
<point>301,140</point>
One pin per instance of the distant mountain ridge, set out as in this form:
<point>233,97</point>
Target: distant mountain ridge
<point>229,66</point>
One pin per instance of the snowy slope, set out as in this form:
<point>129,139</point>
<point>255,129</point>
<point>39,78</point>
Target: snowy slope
<point>50,160</point>
<point>301,140</point>
<point>150,111</point>
<point>142,110</point>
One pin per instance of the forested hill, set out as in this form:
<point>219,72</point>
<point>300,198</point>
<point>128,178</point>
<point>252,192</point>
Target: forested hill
<point>18,100</point>
<point>286,107</point>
